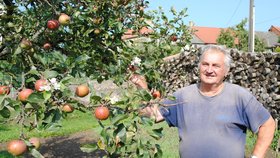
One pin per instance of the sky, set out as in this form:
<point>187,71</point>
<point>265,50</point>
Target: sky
<point>224,13</point>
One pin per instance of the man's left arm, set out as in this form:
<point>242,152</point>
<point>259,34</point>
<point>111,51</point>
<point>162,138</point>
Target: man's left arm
<point>264,139</point>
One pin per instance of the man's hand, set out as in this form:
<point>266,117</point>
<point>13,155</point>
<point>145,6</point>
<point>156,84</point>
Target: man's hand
<point>139,81</point>
<point>153,112</point>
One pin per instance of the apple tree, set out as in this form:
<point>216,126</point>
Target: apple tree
<point>52,50</point>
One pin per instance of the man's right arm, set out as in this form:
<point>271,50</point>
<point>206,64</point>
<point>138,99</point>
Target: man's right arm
<point>152,112</point>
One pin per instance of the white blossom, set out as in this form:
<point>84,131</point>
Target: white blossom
<point>53,81</point>
<point>136,61</point>
<point>45,88</point>
<point>56,86</point>
<point>114,99</point>
<point>33,67</point>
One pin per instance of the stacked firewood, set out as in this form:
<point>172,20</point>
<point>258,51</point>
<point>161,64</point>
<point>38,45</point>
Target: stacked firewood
<point>258,72</point>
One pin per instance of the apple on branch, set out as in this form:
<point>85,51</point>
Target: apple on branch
<point>4,90</point>
<point>64,19</point>
<point>16,147</point>
<point>53,24</point>
<point>101,112</point>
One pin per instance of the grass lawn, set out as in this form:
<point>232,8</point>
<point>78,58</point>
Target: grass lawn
<point>74,122</point>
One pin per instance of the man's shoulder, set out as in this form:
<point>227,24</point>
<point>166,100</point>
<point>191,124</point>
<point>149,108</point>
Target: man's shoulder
<point>187,89</point>
<point>236,88</point>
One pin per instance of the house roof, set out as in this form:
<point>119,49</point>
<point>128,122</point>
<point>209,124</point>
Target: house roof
<point>208,35</point>
<point>269,38</point>
<point>129,34</point>
<point>196,40</point>
<point>275,29</point>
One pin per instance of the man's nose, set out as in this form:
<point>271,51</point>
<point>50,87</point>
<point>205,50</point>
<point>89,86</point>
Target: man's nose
<point>209,69</point>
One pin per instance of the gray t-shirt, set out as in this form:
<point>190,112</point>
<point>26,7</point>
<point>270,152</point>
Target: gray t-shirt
<point>214,127</point>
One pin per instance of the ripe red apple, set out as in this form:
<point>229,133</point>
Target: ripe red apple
<point>47,46</point>
<point>35,142</point>
<point>101,113</point>
<point>25,44</point>
<point>39,83</point>
<point>156,94</point>
<point>64,19</point>
<point>24,94</point>
<point>173,38</point>
<point>16,147</point>
<point>53,24</point>
<point>82,90</point>
<point>67,108</point>
<point>4,90</point>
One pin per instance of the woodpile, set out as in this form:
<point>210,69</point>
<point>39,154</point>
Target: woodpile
<point>258,72</point>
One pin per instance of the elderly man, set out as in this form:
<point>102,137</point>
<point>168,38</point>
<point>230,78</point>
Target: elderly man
<point>213,116</point>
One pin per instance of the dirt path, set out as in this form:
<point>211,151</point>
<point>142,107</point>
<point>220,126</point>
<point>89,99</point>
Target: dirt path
<point>68,146</point>
<point>65,146</point>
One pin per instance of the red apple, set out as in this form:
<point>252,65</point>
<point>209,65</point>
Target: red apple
<point>173,38</point>
<point>47,46</point>
<point>67,108</point>
<point>24,94</point>
<point>16,147</point>
<point>4,90</point>
<point>156,94</point>
<point>53,24</point>
<point>39,83</point>
<point>82,90</point>
<point>64,19</point>
<point>101,113</point>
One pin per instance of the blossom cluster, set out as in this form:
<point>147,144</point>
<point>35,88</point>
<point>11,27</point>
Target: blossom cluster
<point>136,61</point>
<point>51,84</point>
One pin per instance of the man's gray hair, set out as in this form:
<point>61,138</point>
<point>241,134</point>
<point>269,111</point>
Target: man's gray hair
<point>221,49</point>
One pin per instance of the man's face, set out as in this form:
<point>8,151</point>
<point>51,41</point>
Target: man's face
<point>212,68</point>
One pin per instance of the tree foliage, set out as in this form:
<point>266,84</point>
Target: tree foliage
<point>237,37</point>
<point>90,47</point>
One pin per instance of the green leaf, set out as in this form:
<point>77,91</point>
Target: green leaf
<point>47,95</point>
<point>88,148</point>
<point>50,74</point>
<point>35,153</point>
<point>31,79</point>
<point>118,118</point>
<point>96,98</point>
<point>36,98</point>
<point>18,51</point>
<point>101,145</point>
<point>120,131</point>
<point>2,97</point>
<point>53,126</point>
<point>82,58</point>
<point>156,133</point>
<point>158,151</point>
<point>147,121</point>
<point>33,72</point>
<point>5,112</point>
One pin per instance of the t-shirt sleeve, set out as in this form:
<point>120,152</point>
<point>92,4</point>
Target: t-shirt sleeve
<point>255,114</point>
<point>170,115</point>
